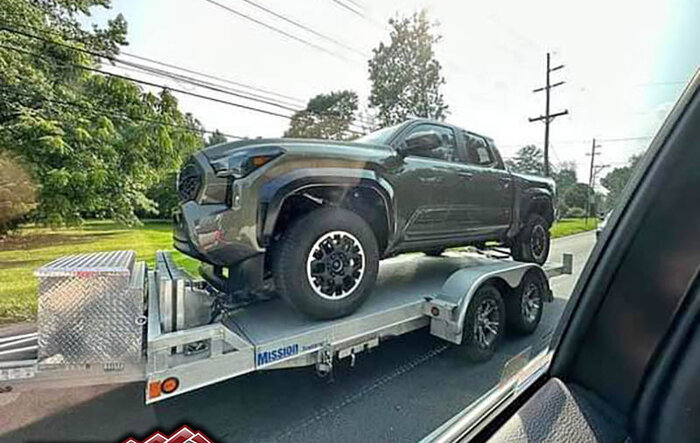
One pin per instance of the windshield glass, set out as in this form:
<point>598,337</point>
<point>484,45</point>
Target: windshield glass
<point>219,282</point>
<point>379,137</point>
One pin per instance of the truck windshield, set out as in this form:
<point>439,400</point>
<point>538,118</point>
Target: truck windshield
<point>380,137</point>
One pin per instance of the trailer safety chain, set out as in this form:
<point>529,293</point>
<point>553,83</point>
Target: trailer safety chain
<point>226,303</point>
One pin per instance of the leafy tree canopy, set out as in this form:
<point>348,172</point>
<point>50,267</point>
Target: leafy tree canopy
<point>94,143</point>
<point>327,116</point>
<point>615,180</point>
<point>528,160</point>
<point>405,74</point>
<point>216,138</point>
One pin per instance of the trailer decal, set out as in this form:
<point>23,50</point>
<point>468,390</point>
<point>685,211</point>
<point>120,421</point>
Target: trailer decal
<point>267,357</point>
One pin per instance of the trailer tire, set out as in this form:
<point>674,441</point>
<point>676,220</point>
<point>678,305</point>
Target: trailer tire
<point>525,305</point>
<point>325,264</point>
<point>480,342</point>
<point>532,242</point>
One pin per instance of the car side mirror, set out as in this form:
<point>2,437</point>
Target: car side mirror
<point>421,141</point>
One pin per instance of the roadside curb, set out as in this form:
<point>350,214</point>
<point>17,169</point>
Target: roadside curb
<point>578,234</point>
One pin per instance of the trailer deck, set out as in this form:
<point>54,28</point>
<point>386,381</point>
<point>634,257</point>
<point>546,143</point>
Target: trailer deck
<point>184,350</point>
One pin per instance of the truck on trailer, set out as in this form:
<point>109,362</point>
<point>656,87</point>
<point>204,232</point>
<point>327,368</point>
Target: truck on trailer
<point>107,318</point>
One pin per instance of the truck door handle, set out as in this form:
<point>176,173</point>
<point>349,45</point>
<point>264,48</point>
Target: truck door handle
<point>467,175</point>
<point>505,182</point>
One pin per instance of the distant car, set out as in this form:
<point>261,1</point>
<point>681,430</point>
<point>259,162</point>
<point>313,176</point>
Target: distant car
<point>318,215</point>
<point>601,226</point>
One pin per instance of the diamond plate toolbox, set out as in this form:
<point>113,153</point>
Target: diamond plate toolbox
<point>91,309</point>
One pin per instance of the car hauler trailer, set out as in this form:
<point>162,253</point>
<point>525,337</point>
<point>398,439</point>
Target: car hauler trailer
<point>105,318</point>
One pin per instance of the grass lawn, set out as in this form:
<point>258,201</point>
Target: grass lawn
<point>571,226</point>
<point>21,255</point>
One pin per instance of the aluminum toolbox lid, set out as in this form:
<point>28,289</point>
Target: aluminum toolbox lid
<point>84,265</point>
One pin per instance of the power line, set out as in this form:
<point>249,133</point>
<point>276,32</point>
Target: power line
<point>275,29</point>
<point>105,112</point>
<point>304,27</point>
<point>151,60</point>
<point>547,117</point>
<point>212,77</point>
<point>607,140</point>
<point>161,73</point>
<point>156,85</point>
<point>345,6</point>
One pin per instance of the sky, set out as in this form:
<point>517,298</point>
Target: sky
<point>625,62</point>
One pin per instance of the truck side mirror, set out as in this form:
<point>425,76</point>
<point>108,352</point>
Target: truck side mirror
<point>421,141</point>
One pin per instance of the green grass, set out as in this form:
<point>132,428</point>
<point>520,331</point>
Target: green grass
<point>35,246</point>
<point>20,255</point>
<point>571,226</point>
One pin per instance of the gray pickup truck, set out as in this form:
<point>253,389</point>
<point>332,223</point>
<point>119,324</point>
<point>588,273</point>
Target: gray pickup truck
<point>318,215</point>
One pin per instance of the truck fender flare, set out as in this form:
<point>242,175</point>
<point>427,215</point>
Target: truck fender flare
<point>275,192</point>
<point>459,289</point>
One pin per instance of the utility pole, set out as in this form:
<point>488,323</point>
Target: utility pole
<point>547,117</point>
<point>591,179</point>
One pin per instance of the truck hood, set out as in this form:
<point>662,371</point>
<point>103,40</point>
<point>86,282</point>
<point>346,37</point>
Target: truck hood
<point>288,144</point>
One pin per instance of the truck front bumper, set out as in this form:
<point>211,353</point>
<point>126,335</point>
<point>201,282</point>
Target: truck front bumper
<point>215,234</point>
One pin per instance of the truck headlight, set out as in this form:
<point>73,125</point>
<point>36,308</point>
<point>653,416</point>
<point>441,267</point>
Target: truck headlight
<point>242,162</point>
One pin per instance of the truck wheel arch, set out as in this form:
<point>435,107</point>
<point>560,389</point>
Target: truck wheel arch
<point>333,185</point>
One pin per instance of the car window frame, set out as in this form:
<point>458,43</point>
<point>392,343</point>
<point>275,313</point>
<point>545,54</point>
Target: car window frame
<point>400,138</point>
<point>492,154</point>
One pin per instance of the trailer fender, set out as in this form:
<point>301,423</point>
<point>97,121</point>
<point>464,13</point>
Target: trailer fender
<point>448,308</point>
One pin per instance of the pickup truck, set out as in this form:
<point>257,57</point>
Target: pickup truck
<point>316,216</point>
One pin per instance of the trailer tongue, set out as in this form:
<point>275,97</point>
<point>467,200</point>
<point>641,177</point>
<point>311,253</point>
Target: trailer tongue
<point>105,318</point>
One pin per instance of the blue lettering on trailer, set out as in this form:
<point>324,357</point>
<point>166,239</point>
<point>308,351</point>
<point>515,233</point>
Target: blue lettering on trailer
<point>267,357</point>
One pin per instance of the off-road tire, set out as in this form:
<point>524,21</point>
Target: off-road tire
<point>475,351</point>
<point>533,241</point>
<point>291,251</point>
<point>523,317</point>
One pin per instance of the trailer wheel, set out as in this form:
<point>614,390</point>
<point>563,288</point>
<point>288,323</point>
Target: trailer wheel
<point>326,263</point>
<point>532,243</point>
<point>524,307</point>
<point>484,323</point>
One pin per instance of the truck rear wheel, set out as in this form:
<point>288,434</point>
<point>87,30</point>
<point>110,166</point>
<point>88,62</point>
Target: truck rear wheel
<point>532,243</point>
<point>326,263</point>
<point>484,323</point>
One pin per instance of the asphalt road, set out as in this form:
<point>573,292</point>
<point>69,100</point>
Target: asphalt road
<point>400,392</point>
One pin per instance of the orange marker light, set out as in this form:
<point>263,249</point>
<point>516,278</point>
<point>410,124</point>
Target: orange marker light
<point>154,389</point>
<point>169,385</point>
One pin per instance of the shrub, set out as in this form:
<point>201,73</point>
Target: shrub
<point>17,192</point>
<point>576,212</point>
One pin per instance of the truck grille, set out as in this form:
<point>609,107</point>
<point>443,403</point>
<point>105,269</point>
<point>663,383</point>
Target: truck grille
<point>190,182</point>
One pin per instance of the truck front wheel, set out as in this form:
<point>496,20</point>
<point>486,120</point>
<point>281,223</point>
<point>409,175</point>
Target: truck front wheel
<point>326,263</point>
<point>532,243</point>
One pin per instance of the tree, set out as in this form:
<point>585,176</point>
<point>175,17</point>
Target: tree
<point>405,74</point>
<point>528,160</point>
<point>326,116</point>
<point>95,144</point>
<point>216,138</point>
<point>17,192</point>
<point>577,195</point>
<point>564,177</point>
<point>616,180</point>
